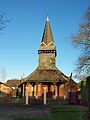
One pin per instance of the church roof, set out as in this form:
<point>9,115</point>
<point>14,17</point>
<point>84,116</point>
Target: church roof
<point>47,35</point>
<point>5,84</point>
<point>42,74</point>
<point>47,75</point>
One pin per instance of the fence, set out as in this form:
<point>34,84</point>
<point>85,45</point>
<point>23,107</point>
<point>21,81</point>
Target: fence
<point>32,101</point>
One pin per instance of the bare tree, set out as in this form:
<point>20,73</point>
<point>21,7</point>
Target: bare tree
<point>3,21</point>
<point>82,41</point>
<point>2,74</point>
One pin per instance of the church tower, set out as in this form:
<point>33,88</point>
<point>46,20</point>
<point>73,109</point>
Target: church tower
<point>46,74</point>
<point>47,49</point>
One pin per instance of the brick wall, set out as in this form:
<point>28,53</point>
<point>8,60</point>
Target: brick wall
<point>4,90</point>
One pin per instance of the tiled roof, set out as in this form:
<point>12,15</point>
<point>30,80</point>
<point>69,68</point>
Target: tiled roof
<point>5,84</point>
<point>13,82</point>
<point>47,75</point>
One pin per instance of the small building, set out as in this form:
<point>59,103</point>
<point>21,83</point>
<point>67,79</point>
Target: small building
<point>13,83</point>
<point>5,90</point>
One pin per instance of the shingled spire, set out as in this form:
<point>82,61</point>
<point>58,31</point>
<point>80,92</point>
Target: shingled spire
<point>47,35</point>
<point>47,49</point>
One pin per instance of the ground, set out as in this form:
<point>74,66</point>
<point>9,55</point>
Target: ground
<point>41,112</point>
<point>14,112</point>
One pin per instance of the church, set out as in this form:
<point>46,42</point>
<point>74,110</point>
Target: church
<point>46,74</point>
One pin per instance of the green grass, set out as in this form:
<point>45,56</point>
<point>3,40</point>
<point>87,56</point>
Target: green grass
<point>64,112</point>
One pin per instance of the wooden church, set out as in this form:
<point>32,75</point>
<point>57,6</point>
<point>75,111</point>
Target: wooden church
<point>46,74</point>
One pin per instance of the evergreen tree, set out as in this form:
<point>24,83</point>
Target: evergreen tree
<point>88,91</point>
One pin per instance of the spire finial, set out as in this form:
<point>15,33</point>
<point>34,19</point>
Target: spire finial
<point>47,19</point>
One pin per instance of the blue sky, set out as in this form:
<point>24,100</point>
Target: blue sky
<point>19,42</point>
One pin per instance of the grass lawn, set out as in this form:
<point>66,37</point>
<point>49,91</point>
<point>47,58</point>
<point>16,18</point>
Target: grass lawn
<point>64,112</point>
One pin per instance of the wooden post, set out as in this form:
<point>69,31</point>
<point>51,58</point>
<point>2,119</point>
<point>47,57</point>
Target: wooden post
<point>49,88</point>
<point>54,96</point>
<point>58,90</point>
<point>64,92</point>
<point>36,91</point>
<point>19,92</point>
<point>23,90</point>
<point>33,90</point>
<point>26,95</point>
<point>44,95</point>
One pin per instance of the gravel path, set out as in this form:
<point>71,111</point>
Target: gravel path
<point>14,112</point>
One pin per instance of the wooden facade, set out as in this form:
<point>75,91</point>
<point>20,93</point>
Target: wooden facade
<point>46,74</point>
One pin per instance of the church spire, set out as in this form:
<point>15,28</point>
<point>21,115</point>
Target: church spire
<point>47,35</point>
<point>47,49</point>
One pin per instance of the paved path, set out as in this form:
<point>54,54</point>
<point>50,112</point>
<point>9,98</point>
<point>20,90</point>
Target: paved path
<point>14,112</point>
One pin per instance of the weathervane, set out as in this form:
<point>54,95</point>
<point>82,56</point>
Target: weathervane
<point>46,12</point>
<point>47,15</point>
